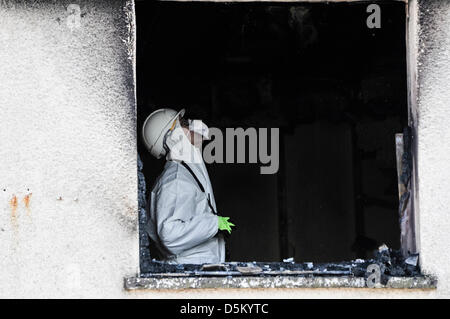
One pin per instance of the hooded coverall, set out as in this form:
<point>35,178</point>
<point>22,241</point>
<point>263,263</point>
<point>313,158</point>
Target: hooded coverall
<point>181,221</point>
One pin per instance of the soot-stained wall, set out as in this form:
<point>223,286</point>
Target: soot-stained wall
<point>430,63</point>
<point>68,193</point>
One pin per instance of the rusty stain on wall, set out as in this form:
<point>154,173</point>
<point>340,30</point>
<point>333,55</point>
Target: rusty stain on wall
<point>26,201</point>
<point>13,203</point>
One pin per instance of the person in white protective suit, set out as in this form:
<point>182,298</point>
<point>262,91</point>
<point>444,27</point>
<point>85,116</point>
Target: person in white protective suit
<point>183,220</point>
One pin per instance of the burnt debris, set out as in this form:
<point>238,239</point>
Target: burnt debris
<point>391,263</point>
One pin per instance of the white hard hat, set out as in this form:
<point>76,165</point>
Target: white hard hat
<point>155,128</point>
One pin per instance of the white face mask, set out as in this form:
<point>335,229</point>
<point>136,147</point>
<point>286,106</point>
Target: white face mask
<point>197,126</point>
<point>181,148</point>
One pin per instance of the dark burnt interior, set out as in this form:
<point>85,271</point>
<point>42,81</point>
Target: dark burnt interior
<point>335,88</point>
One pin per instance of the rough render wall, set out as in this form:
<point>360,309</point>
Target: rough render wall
<point>68,142</point>
<point>433,118</point>
<point>68,182</point>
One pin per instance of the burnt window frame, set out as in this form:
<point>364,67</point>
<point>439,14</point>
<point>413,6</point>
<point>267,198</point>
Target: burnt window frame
<point>166,270</point>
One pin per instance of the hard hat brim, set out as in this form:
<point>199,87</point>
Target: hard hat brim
<point>161,135</point>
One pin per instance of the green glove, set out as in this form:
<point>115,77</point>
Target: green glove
<point>224,224</point>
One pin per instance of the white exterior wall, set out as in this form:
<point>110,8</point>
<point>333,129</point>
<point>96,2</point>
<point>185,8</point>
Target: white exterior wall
<point>67,130</point>
<point>433,119</point>
<point>67,136</point>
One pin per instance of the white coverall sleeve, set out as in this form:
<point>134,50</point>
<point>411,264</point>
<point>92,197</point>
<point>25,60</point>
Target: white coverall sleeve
<point>183,219</point>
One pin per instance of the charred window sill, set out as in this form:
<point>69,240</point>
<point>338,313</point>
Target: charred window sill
<point>353,274</point>
<point>387,270</point>
<point>261,281</point>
